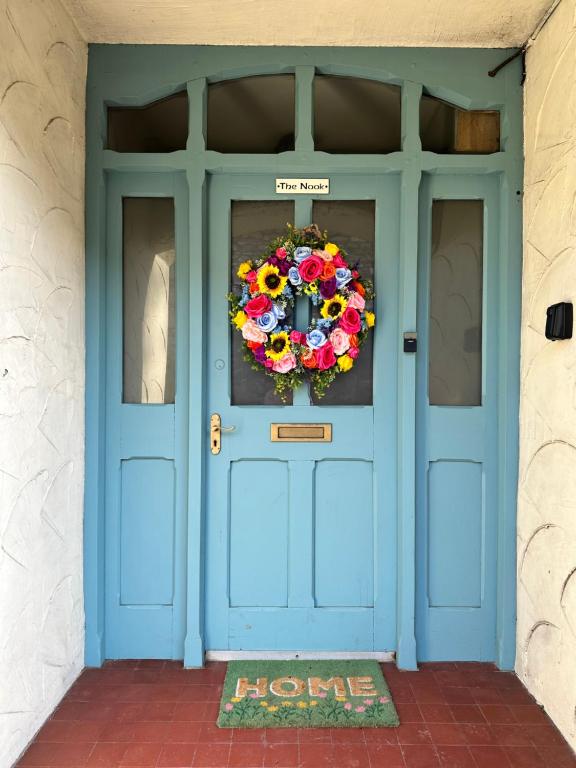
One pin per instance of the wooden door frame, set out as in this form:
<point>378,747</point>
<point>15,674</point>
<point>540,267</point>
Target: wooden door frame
<point>137,74</point>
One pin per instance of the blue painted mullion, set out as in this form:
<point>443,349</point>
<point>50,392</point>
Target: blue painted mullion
<point>411,95</point>
<point>406,644</point>
<point>301,534</point>
<point>197,99</point>
<point>197,423</point>
<point>304,139</point>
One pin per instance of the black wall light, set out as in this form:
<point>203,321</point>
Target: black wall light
<point>559,321</point>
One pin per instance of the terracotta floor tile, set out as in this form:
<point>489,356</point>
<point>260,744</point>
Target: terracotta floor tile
<point>486,695</point>
<point>456,757</point>
<point>39,753</point>
<point>467,713</point>
<point>281,755</point>
<point>351,756</point>
<point>72,754</point>
<point>315,735</point>
<point>106,755</point>
<point>409,713</point>
<point>388,736</point>
<point>447,734</point>
<point>558,757</point>
<point>211,734</point>
<point>436,713</point>
<point>281,736</point>
<point>194,712</point>
<point>246,755</point>
<point>490,757</point>
<point>249,735</point>
<point>497,713</point>
<point>529,713</point>
<point>385,756</point>
<point>183,732</point>
<point>141,754</point>
<point>420,756</point>
<point>544,735</point>
<point>211,756</point>
<point>510,735</point>
<point>524,757</point>
<point>478,735</point>
<point>413,733</point>
<point>317,756</point>
<point>176,756</point>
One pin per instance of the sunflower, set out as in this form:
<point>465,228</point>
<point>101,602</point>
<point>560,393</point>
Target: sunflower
<point>279,345</point>
<point>334,307</point>
<point>270,280</point>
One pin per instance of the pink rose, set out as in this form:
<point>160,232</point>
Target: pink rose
<point>356,301</point>
<point>281,252</point>
<point>268,363</point>
<point>360,709</point>
<point>353,352</point>
<point>325,356</point>
<point>348,706</point>
<point>251,276</point>
<point>340,341</point>
<point>338,261</point>
<point>350,320</point>
<point>285,363</point>
<point>257,306</point>
<point>311,268</point>
<point>297,337</point>
<point>251,332</point>
<point>324,255</point>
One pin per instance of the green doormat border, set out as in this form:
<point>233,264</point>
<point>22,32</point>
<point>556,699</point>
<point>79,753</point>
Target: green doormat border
<point>306,694</point>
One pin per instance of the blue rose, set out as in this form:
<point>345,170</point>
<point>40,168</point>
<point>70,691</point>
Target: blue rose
<point>301,253</point>
<point>343,276</point>
<point>294,276</point>
<point>316,339</point>
<point>267,322</point>
<point>278,311</point>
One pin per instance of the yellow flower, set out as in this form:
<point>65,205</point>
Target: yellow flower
<point>334,307</point>
<point>263,703</point>
<point>287,704</point>
<point>235,699</point>
<point>310,288</point>
<point>302,705</point>
<point>340,698</point>
<point>314,703</point>
<point>345,362</point>
<point>270,280</point>
<point>370,319</point>
<point>243,269</point>
<point>239,318</point>
<point>331,248</point>
<point>279,345</point>
<point>272,709</point>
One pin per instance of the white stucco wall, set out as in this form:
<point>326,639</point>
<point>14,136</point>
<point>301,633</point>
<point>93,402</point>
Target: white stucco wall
<point>546,658</point>
<point>42,83</point>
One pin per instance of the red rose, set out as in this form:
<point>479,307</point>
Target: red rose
<point>297,337</point>
<point>353,352</point>
<point>338,261</point>
<point>325,356</point>
<point>350,321</point>
<point>251,276</point>
<point>281,253</point>
<point>311,268</point>
<point>258,305</point>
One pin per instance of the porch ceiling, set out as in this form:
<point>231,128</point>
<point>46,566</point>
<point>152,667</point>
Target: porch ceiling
<point>475,23</point>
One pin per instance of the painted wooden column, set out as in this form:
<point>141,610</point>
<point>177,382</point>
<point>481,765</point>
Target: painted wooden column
<point>197,425</point>
<point>406,641</point>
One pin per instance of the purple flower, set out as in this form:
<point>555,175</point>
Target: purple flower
<point>328,288</point>
<point>283,267</point>
<point>260,354</point>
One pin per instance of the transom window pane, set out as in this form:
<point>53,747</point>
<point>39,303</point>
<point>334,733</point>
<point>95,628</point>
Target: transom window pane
<point>350,224</point>
<point>254,224</point>
<point>448,130</point>
<point>149,260</point>
<point>455,346</point>
<point>161,126</point>
<point>356,116</point>
<point>252,114</point>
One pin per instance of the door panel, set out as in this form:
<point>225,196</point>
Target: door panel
<point>301,536</point>
<point>457,419</point>
<point>146,411</point>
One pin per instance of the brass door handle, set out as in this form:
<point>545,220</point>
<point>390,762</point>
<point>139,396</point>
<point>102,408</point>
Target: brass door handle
<point>216,430</point>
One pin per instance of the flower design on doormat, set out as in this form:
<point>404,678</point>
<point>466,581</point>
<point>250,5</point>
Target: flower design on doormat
<point>303,262</point>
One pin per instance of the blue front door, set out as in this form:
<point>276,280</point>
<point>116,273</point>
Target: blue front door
<point>301,536</point>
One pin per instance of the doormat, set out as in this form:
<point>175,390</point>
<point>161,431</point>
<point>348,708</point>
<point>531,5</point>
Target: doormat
<point>306,694</point>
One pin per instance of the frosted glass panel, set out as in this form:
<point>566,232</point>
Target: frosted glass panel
<point>350,224</point>
<point>149,299</point>
<point>455,349</point>
<point>254,224</point>
<point>252,114</point>
<point>356,116</point>
<point>161,126</point>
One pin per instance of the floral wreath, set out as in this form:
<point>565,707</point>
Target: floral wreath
<point>302,263</point>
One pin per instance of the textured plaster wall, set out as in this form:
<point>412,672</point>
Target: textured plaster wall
<point>42,83</point>
<point>546,658</point>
